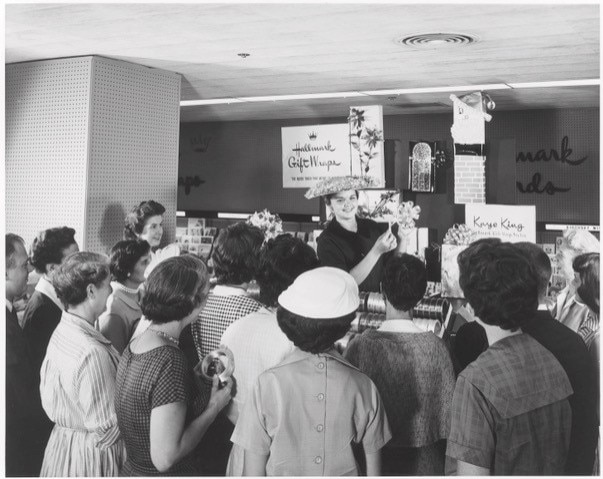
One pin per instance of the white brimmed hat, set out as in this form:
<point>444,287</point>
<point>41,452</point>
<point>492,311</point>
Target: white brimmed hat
<point>321,293</point>
<point>335,184</point>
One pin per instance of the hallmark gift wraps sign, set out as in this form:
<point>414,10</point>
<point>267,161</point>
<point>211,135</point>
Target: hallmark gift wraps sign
<point>312,153</point>
<point>509,223</point>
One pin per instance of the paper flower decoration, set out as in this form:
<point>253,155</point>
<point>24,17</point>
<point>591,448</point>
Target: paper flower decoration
<point>459,234</point>
<point>408,212</point>
<point>270,224</point>
<point>335,184</point>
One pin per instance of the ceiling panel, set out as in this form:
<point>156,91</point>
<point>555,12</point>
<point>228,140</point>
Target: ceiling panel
<point>324,47</point>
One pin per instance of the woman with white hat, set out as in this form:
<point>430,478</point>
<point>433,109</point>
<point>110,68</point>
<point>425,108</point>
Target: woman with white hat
<point>356,245</point>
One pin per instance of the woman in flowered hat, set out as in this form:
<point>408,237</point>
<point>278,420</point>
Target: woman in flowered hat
<point>356,245</point>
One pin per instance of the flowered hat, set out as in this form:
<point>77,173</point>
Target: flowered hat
<point>335,184</point>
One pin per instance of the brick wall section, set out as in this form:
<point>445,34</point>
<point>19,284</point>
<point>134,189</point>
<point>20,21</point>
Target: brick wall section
<point>469,179</point>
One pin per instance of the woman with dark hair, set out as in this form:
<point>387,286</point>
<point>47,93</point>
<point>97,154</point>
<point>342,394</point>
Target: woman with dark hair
<point>586,271</point>
<point>413,372</point>
<point>356,245</point>
<point>128,262</point>
<point>44,309</point>
<point>586,268</point>
<point>158,405</point>
<point>510,413</point>
<point>568,309</point>
<point>145,222</point>
<point>78,376</point>
<point>235,258</point>
<point>305,414</point>
<point>256,340</point>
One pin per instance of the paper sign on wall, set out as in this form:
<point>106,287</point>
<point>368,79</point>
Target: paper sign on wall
<point>509,223</point>
<point>311,153</point>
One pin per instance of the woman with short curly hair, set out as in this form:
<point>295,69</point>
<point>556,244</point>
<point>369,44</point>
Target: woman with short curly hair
<point>78,376</point>
<point>510,413</point>
<point>159,408</point>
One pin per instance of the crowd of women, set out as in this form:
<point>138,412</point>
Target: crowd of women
<point>103,373</point>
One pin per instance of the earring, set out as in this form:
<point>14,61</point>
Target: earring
<point>129,274</point>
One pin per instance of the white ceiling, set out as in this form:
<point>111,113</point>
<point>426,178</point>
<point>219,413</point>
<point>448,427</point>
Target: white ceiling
<point>325,47</point>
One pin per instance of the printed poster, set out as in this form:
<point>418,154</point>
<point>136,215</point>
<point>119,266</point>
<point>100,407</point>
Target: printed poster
<point>509,223</point>
<point>311,153</point>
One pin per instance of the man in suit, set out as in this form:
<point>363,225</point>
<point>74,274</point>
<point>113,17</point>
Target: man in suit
<point>571,352</point>
<point>44,309</point>
<point>25,419</point>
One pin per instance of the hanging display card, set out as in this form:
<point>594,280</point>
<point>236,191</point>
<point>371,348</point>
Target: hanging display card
<point>509,223</point>
<point>469,121</point>
<point>366,142</point>
<point>311,153</point>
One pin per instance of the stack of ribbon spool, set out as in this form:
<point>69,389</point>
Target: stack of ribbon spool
<point>429,314</point>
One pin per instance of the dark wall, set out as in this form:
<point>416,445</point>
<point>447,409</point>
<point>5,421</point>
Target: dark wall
<point>238,164</point>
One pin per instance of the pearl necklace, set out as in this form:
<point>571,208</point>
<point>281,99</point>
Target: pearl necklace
<point>167,336</point>
<point>125,289</point>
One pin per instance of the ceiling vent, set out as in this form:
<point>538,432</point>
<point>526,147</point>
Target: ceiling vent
<point>436,40</point>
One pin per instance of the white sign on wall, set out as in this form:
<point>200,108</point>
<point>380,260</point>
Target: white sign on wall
<point>509,223</point>
<point>311,153</point>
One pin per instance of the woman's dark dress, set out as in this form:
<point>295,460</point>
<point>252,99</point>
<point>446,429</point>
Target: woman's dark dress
<point>344,249</point>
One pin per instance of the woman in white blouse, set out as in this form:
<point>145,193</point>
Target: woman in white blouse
<point>78,376</point>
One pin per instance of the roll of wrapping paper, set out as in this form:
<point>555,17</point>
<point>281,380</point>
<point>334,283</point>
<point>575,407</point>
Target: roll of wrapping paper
<point>375,303</point>
<point>432,308</point>
<point>363,295</point>
<point>369,321</point>
<point>431,325</point>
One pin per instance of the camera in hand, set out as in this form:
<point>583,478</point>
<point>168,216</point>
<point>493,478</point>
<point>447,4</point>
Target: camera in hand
<point>219,362</point>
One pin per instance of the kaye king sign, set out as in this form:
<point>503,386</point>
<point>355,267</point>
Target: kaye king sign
<point>311,153</point>
<point>509,223</point>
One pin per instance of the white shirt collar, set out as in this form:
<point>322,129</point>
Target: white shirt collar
<point>9,305</point>
<point>543,307</point>
<point>223,290</point>
<point>45,287</point>
<point>399,326</point>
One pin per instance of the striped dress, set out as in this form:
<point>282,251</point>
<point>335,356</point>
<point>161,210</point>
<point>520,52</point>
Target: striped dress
<point>77,386</point>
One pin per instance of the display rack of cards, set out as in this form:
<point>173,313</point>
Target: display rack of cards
<point>196,237</point>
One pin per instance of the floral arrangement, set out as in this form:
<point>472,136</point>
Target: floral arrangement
<point>459,234</point>
<point>270,224</point>
<point>408,213</point>
<point>364,138</point>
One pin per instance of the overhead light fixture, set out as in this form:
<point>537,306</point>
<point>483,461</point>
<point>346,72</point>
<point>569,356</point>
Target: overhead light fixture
<point>560,83</point>
<point>307,96</point>
<point>234,216</point>
<point>213,101</point>
<point>439,89</point>
<point>399,91</point>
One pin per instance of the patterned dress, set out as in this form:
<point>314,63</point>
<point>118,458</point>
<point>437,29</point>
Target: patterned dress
<point>77,388</point>
<point>146,381</point>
